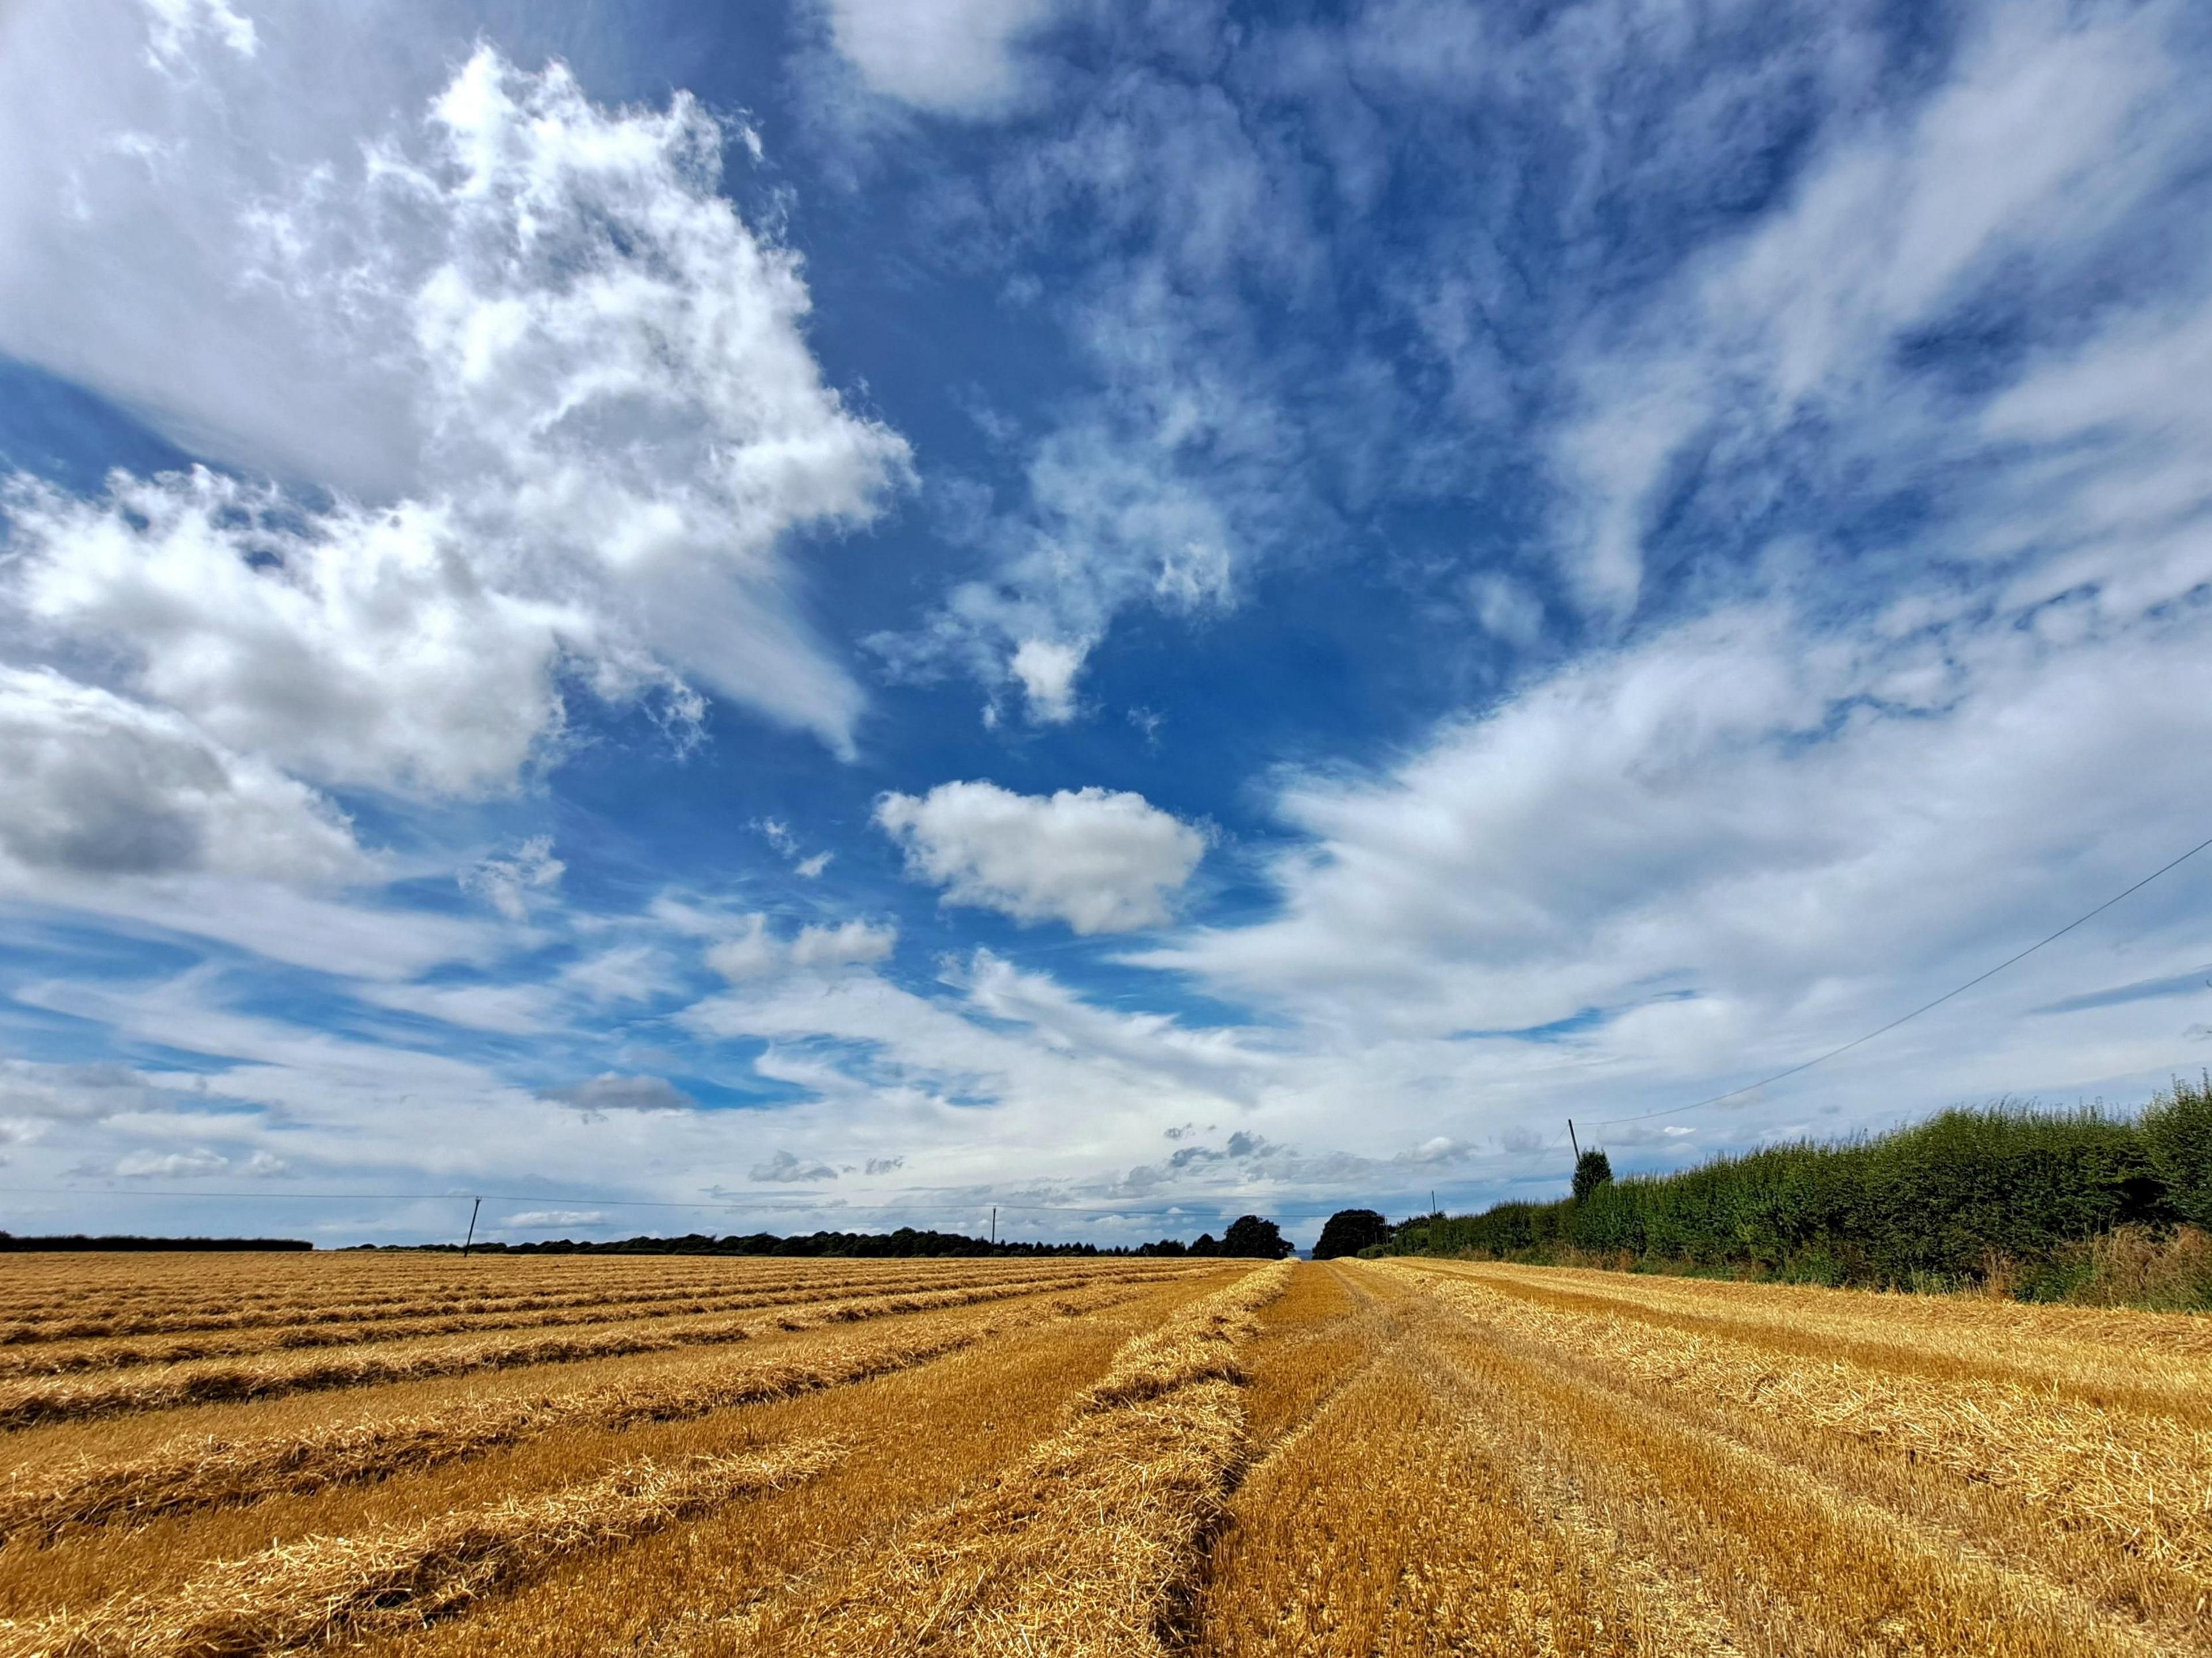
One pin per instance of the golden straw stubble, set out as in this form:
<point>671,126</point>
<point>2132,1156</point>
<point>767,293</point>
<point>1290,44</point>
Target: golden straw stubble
<point>1084,1547</point>
<point>302,1593</point>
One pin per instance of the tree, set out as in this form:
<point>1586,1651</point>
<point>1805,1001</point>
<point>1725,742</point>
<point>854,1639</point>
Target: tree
<point>1251,1237</point>
<point>2178,1129</point>
<point>1349,1231</point>
<point>1592,1170</point>
<point>1204,1245</point>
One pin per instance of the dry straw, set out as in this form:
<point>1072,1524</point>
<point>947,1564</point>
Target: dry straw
<point>61,1360</point>
<point>26,1404</point>
<point>42,1504</point>
<point>303,1594</point>
<point>2143,1480</point>
<point>1086,1548</point>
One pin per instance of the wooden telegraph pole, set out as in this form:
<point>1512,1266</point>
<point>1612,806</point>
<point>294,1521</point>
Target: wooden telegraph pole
<point>473,1208</point>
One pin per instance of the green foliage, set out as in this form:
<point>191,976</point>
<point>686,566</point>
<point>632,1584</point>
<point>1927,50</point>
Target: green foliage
<point>1349,1231</point>
<point>1592,1170</point>
<point>1941,1202</point>
<point>1252,1238</point>
<point>2178,1133</point>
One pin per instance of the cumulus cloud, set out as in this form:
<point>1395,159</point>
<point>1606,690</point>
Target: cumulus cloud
<point>353,645</point>
<point>952,56</point>
<point>603,422</point>
<point>100,787</point>
<point>1046,671</point>
<point>1101,861</point>
<point>785,1168</point>
<point>753,952</point>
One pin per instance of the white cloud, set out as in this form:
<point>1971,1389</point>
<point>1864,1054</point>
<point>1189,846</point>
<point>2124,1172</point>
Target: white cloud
<point>356,647</point>
<point>506,884</point>
<point>514,1010</point>
<point>952,56</point>
<point>1046,671</point>
<point>855,944</point>
<point>752,952</point>
<point>35,1092</point>
<point>1101,861</point>
<point>2005,192</point>
<point>197,1165</point>
<point>103,789</point>
<point>784,1168</point>
<point>1735,844</point>
<point>597,420</point>
<point>174,22</point>
<point>810,869</point>
<point>627,973</point>
<point>533,1218</point>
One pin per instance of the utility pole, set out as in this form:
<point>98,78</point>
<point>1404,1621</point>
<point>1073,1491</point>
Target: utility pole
<point>473,1207</point>
<point>1572,1141</point>
<point>994,1224</point>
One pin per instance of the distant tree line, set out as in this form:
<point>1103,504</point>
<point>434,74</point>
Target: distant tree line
<point>904,1242</point>
<point>1966,1194</point>
<point>127,1242</point>
<point>1249,1237</point>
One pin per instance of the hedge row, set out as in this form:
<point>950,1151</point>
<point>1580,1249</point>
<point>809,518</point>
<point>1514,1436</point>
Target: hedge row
<point>1944,1199</point>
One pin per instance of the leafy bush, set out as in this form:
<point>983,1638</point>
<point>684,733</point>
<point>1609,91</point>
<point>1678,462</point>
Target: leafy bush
<point>1349,1231</point>
<point>1252,1238</point>
<point>1944,1202</point>
<point>2178,1133</point>
<point>1592,1170</point>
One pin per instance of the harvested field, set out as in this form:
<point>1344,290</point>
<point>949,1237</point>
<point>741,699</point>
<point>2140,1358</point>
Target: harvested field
<point>1081,1457</point>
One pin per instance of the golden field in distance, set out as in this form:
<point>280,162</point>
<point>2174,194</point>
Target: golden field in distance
<point>433,1456</point>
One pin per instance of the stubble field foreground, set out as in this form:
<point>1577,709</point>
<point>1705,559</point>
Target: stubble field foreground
<point>419,1456</point>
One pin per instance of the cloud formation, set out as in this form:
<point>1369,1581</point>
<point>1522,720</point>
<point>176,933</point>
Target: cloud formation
<point>100,788</point>
<point>1099,861</point>
<point>953,57</point>
<point>611,422</point>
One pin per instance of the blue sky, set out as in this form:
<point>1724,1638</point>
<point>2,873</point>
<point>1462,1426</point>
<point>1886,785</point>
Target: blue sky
<point>848,613</point>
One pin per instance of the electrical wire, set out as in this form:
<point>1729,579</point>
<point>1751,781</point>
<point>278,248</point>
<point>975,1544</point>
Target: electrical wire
<point>1905,1019</point>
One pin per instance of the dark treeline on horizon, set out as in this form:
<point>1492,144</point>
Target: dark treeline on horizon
<point>127,1241</point>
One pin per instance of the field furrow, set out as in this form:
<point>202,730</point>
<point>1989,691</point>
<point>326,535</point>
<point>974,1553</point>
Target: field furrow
<point>78,1359</point>
<point>1094,1459</point>
<point>308,1593</point>
<point>26,1404</point>
<point>1089,1544</point>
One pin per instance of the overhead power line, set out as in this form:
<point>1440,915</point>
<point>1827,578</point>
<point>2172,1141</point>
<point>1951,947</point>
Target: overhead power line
<point>1905,1019</point>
